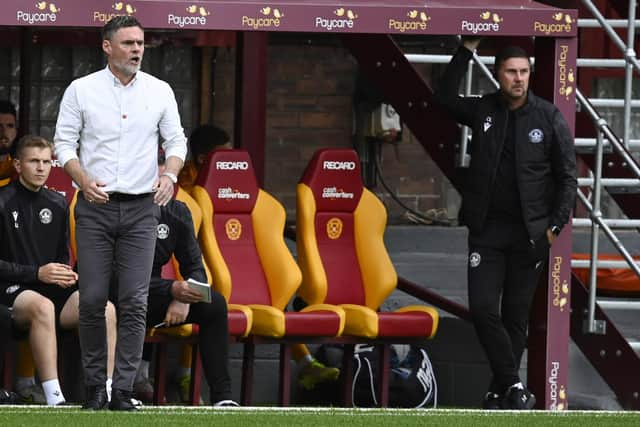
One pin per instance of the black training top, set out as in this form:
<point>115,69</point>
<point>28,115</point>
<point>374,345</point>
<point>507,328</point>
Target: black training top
<point>175,236</point>
<point>34,231</point>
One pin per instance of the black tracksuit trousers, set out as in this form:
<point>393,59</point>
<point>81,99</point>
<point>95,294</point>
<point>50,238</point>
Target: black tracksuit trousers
<point>503,272</point>
<point>214,339</point>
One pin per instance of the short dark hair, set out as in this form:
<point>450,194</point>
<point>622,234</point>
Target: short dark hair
<point>508,52</point>
<point>205,138</point>
<point>7,107</point>
<point>117,22</point>
<point>29,141</point>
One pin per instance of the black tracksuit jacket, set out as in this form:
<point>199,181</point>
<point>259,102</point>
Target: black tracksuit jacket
<point>175,236</point>
<point>544,153</point>
<point>34,231</point>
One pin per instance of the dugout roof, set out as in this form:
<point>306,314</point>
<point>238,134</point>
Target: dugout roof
<point>497,17</point>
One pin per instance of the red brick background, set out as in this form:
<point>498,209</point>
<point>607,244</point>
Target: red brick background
<point>309,106</point>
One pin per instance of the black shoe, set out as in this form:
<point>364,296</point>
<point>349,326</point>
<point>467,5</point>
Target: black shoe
<point>519,399</point>
<point>121,400</point>
<point>8,397</point>
<point>96,398</point>
<point>492,401</point>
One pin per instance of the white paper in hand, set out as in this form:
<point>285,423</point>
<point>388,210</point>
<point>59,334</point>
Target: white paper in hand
<point>203,288</point>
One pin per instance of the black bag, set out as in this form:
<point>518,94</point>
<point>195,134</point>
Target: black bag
<point>412,382</point>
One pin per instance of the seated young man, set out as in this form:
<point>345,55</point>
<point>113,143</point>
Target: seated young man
<point>174,303</point>
<point>36,281</point>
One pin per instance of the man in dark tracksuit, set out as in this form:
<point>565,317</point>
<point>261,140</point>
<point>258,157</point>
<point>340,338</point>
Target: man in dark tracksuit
<point>36,282</point>
<point>518,195</point>
<point>173,302</point>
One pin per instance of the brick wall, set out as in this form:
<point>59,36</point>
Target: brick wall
<point>309,106</point>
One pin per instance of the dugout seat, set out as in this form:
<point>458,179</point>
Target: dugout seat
<point>341,251</point>
<point>239,319</point>
<point>60,181</point>
<point>251,264</point>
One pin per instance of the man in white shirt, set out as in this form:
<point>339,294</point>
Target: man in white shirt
<point>106,138</point>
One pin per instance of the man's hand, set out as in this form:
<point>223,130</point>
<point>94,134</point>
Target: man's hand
<point>57,274</point>
<point>181,291</point>
<point>93,192</point>
<point>471,43</point>
<point>163,189</point>
<point>550,236</point>
<point>177,313</point>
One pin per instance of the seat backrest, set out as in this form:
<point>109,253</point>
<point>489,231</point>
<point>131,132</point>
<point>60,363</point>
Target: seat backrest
<point>60,181</point>
<point>244,243</point>
<point>340,230</point>
<point>196,216</point>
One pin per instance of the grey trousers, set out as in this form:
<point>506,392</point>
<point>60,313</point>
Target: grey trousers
<point>118,235</point>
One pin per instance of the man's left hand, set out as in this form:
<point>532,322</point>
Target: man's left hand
<point>550,236</point>
<point>163,191</point>
<point>177,313</point>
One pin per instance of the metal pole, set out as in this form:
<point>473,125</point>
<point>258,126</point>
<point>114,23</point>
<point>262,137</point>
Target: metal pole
<point>485,70</point>
<point>463,161</point>
<point>604,127</point>
<point>614,240</point>
<point>615,23</point>
<point>628,75</point>
<point>596,214</point>
<point>610,31</point>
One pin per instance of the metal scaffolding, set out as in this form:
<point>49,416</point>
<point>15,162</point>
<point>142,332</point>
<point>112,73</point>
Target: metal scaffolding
<point>606,142</point>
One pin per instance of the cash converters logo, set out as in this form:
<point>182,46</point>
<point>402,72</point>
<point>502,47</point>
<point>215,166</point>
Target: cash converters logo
<point>117,9</point>
<point>43,12</point>
<point>566,74</point>
<point>196,15</point>
<point>343,18</point>
<point>560,287</point>
<point>562,24</point>
<point>228,194</point>
<point>335,193</point>
<point>489,22</point>
<point>417,21</point>
<point>267,17</point>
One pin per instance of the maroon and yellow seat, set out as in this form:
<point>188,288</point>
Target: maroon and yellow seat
<point>239,319</point>
<point>245,249</point>
<point>340,229</point>
<point>243,244</point>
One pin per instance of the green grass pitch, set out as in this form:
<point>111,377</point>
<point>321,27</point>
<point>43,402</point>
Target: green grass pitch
<point>308,417</point>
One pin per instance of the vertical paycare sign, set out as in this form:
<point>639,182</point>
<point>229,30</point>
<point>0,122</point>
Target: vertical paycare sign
<point>559,276</point>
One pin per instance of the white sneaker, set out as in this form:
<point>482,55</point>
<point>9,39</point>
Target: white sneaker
<point>225,403</point>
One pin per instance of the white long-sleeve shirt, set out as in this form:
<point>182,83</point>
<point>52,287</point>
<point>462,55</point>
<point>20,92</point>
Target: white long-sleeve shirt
<point>114,129</point>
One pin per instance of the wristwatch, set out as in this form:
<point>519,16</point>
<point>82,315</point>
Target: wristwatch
<point>555,230</point>
<point>171,176</point>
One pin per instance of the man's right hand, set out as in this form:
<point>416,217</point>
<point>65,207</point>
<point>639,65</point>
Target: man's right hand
<point>181,291</point>
<point>57,274</point>
<point>93,192</point>
<point>471,43</point>
<point>91,188</point>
